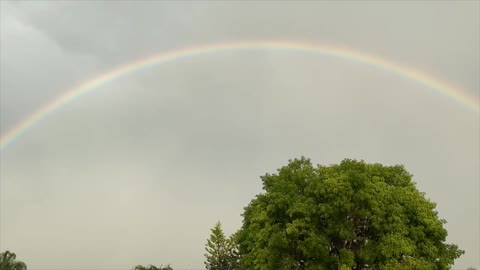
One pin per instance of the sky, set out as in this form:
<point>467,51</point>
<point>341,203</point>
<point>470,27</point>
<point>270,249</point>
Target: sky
<point>139,170</point>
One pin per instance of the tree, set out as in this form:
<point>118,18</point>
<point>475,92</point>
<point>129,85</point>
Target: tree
<point>222,253</point>
<point>152,267</point>
<point>233,253</point>
<point>8,262</point>
<point>352,215</point>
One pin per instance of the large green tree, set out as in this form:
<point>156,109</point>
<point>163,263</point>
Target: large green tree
<point>222,252</point>
<point>352,215</point>
<point>8,262</point>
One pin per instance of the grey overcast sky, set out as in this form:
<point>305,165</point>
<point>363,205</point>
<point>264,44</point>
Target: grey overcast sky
<point>138,171</point>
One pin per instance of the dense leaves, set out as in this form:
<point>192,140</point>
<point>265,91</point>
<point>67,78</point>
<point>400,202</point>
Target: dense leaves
<point>222,253</point>
<point>152,267</point>
<point>352,215</point>
<point>8,262</point>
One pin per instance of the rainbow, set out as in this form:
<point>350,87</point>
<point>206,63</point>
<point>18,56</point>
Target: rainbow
<point>442,87</point>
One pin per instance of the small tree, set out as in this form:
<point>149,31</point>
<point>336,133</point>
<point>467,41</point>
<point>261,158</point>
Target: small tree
<point>152,267</point>
<point>222,253</point>
<point>8,262</point>
<point>233,252</point>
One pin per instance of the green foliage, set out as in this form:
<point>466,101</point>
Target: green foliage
<point>344,216</point>
<point>8,262</point>
<point>152,267</point>
<point>222,253</point>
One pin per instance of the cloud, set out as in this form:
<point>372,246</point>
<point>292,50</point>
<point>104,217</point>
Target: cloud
<point>154,159</point>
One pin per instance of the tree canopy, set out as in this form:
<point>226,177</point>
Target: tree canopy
<point>8,262</point>
<point>152,267</point>
<point>352,215</point>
